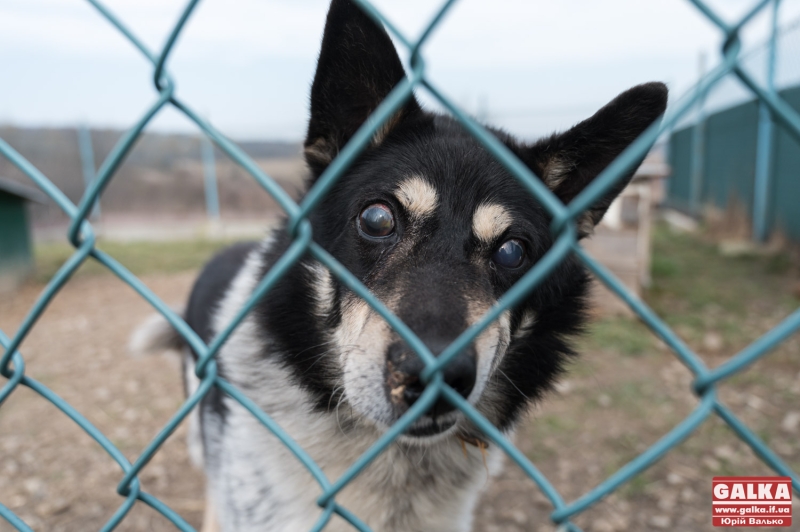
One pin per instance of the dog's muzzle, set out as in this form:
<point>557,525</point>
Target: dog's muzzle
<point>404,386</point>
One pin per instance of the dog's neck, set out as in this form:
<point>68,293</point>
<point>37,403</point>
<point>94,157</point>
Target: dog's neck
<point>405,488</point>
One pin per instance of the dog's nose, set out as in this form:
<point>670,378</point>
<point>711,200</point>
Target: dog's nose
<point>405,367</point>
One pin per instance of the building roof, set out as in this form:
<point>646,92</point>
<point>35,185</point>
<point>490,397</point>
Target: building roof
<point>23,191</point>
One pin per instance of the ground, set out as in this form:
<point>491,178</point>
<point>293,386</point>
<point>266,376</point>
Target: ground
<point>620,396</point>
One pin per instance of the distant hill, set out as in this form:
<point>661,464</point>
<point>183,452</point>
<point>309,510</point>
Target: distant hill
<point>162,171</point>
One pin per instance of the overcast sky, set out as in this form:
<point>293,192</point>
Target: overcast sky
<point>532,66</point>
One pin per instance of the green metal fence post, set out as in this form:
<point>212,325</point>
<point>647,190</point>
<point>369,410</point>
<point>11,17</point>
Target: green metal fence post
<point>764,152</point>
<point>698,145</point>
<point>87,164</point>
<point>210,178</point>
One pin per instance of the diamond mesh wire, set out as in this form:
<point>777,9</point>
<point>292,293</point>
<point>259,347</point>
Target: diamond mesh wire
<point>81,236</point>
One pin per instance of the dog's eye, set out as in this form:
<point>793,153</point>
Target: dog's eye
<point>376,221</point>
<point>510,254</point>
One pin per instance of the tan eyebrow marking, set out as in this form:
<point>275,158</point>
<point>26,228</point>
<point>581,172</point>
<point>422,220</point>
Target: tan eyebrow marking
<point>490,221</point>
<point>386,128</point>
<point>417,196</point>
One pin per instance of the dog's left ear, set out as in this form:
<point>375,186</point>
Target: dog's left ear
<point>358,67</point>
<point>568,162</point>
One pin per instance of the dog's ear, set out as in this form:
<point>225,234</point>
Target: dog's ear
<point>358,66</point>
<point>567,162</point>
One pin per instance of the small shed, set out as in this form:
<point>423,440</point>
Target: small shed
<point>621,241</point>
<point>16,251</point>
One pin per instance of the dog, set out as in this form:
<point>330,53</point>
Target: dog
<point>438,230</point>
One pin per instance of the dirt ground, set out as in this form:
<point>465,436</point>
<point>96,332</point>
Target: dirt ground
<point>623,395</point>
<point>52,474</point>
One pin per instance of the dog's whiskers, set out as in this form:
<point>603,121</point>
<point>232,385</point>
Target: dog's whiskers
<point>340,390</point>
<point>333,394</point>
<point>319,356</point>
<point>512,383</point>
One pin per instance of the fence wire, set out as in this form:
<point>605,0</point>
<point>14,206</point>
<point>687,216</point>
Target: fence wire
<point>730,92</point>
<point>81,236</point>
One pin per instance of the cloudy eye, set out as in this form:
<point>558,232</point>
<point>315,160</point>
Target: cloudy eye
<point>510,255</point>
<point>376,221</point>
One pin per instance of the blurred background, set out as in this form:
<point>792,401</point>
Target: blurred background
<point>707,233</point>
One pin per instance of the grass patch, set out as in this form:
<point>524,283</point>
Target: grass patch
<point>139,257</point>
<point>688,268</point>
<point>558,424</point>
<point>779,264</point>
<point>627,336</point>
<point>635,487</point>
<point>697,291</point>
<point>664,267</point>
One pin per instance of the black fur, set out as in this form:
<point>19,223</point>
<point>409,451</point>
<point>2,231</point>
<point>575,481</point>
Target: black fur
<point>211,286</point>
<point>206,295</point>
<point>357,68</point>
<point>586,149</point>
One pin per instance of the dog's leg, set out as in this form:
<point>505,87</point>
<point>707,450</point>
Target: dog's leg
<point>210,522</point>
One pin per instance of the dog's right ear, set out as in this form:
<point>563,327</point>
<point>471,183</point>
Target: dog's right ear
<point>358,67</point>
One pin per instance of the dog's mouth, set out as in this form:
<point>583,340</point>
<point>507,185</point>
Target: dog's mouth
<point>431,426</point>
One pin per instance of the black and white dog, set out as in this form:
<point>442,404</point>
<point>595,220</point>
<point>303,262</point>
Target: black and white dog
<point>434,226</point>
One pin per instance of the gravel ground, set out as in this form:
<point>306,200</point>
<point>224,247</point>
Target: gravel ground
<point>53,475</point>
<point>609,409</point>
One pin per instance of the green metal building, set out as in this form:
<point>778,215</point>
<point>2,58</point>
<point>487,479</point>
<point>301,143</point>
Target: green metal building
<point>728,168</point>
<point>16,251</point>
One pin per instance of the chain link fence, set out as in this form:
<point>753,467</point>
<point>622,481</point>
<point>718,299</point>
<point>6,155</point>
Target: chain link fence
<point>729,91</point>
<point>81,236</point>
<point>716,151</point>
